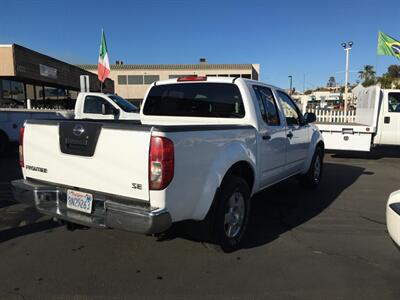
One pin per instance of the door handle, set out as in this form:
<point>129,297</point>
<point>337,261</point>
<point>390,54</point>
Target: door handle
<point>266,137</point>
<point>290,135</point>
<point>386,120</point>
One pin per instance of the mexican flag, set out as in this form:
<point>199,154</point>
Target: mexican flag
<point>103,67</point>
<point>388,45</point>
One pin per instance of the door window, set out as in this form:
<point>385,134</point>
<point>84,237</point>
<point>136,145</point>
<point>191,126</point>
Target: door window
<point>267,104</point>
<point>394,102</point>
<point>93,105</point>
<point>292,113</point>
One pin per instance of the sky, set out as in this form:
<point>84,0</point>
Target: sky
<point>298,38</point>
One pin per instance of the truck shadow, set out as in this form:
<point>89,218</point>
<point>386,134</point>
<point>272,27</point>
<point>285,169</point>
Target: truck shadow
<point>285,206</point>
<point>288,205</point>
<point>376,153</point>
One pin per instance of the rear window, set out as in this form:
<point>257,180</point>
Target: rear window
<point>213,100</point>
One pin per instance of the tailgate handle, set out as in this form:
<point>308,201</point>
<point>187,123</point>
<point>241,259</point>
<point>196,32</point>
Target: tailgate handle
<point>74,144</point>
<point>386,120</point>
<point>347,131</point>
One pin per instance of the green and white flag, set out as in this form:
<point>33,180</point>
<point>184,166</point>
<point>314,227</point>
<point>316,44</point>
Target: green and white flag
<point>388,45</point>
<point>103,67</point>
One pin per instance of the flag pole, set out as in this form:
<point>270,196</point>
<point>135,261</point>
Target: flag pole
<point>376,59</point>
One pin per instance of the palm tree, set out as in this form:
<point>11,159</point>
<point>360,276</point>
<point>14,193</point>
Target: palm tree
<point>367,73</point>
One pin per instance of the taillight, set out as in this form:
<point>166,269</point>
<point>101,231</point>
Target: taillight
<point>192,78</point>
<point>161,162</point>
<point>21,146</point>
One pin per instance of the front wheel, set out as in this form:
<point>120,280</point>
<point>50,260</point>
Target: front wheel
<point>230,215</point>
<point>312,178</point>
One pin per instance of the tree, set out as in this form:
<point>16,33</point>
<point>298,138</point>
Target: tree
<point>367,75</point>
<point>331,82</point>
<point>385,81</point>
<point>394,71</point>
<point>391,79</point>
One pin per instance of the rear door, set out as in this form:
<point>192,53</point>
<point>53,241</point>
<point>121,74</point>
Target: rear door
<point>99,156</point>
<point>297,131</point>
<point>93,108</point>
<point>390,123</point>
<point>271,137</point>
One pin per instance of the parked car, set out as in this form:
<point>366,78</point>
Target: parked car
<point>393,217</point>
<point>202,149</point>
<point>87,106</point>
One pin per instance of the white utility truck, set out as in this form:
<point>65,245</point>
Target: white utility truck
<point>202,148</point>
<point>87,106</point>
<point>377,122</point>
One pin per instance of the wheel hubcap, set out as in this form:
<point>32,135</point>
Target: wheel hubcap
<point>234,215</point>
<point>317,169</point>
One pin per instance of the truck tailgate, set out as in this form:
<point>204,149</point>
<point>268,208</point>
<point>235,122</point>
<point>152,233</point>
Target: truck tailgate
<point>347,136</point>
<point>89,155</point>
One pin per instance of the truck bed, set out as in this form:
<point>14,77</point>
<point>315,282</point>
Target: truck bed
<point>347,136</point>
<point>345,127</point>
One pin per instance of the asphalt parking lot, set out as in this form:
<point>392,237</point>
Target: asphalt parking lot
<point>330,243</point>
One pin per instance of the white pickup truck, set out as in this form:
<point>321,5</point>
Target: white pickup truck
<point>377,122</point>
<point>202,148</point>
<point>87,106</point>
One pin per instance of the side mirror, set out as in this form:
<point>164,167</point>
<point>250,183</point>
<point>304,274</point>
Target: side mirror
<point>310,117</point>
<point>115,112</point>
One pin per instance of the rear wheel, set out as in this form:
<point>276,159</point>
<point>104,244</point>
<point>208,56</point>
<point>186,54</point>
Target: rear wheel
<point>314,174</point>
<point>229,219</point>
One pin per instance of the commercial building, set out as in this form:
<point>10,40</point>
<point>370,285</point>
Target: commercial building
<point>132,81</point>
<point>48,82</point>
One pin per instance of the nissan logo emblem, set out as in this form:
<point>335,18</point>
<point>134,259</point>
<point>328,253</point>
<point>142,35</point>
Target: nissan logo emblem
<point>78,130</point>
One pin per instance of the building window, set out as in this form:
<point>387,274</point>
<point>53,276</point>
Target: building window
<point>50,93</point>
<point>17,90</point>
<point>177,76</point>
<point>12,90</point>
<point>30,91</point>
<point>234,75</point>
<point>149,79</point>
<point>223,75</point>
<point>73,94</point>
<point>135,79</point>
<point>248,76</point>
<point>12,93</point>
<point>39,92</point>
<point>5,89</point>
<point>121,79</point>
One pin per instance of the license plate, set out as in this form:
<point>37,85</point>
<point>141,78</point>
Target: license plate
<point>79,201</point>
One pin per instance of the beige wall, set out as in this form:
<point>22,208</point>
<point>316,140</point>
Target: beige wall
<point>133,91</point>
<point>7,61</point>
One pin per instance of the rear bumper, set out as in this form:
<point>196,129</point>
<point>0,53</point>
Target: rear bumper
<point>108,212</point>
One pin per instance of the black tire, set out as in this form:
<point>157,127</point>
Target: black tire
<point>4,143</point>
<point>233,190</point>
<point>312,178</point>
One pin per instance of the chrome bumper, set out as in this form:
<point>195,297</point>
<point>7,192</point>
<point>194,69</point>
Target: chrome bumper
<point>108,211</point>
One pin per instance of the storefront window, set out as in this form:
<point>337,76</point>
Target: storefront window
<point>39,92</point>
<point>73,94</point>
<point>5,89</point>
<point>50,93</point>
<point>17,90</point>
<point>30,91</point>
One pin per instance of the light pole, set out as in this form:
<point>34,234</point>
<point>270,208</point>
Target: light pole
<point>347,47</point>
<point>290,90</point>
